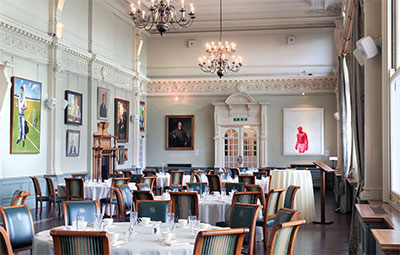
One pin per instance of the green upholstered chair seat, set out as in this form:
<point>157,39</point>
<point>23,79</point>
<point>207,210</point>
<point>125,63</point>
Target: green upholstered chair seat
<point>237,186</point>
<point>106,200</point>
<point>156,210</point>
<point>86,209</point>
<point>19,224</point>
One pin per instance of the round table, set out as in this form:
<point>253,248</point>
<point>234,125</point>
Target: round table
<point>304,200</point>
<point>144,242</point>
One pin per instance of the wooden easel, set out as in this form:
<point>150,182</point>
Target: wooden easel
<point>102,141</point>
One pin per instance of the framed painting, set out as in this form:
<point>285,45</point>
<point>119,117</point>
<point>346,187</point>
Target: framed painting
<point>179,132</point>
<point>121,120</point>
<point>103,96</point>
<point>142,115</point>
<point>73,112</point>
<point>73,143</point>
<point>26,98</point>
<point>120,155</point>
<point>303,131</point>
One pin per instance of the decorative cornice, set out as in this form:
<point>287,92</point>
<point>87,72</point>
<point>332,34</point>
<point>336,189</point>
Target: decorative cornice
<point>283,85</point>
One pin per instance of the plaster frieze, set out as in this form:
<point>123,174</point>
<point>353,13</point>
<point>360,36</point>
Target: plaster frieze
<point>282,85</point>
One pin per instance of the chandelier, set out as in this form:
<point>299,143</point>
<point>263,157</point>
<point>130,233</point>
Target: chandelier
<point>221,57</point>
<point>163,15</point>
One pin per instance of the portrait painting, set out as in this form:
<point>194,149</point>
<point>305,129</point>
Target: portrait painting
<point>73,143</point>
<point>73,112</point>
<point>179,132</point>
<point>102,103</point>
<point>142,115</point>
<point>120,155</point>
<point>26,96</point>
<point>121,120</point>
<point>303,131</point>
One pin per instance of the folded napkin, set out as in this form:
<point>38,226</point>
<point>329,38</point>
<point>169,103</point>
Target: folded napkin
<point>175,243</point>
<point>118,243</point>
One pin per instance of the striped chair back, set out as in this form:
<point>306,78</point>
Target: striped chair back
<point>184,204</point>
<point>176,178</point>
<point>247,179</point>
<point>214,183</point>
<point>285,215</point>
<point>149,173</point>
<point>273,200</point>
<point>150,181</point>
<point>283,237</point>
<point>80,242</point>
<point>245,198</point>
<point>74,188</point>
<point>36,186</point>
<point>5,245</point>
<point>220,242</point>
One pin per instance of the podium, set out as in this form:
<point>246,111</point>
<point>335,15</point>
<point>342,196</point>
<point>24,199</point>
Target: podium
<point>324,168</point>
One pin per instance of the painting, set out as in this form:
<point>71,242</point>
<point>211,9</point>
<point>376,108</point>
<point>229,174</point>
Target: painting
<point>179,132</point>
<point>303,131</point>
<point>73,143</point>
<point>126,154</point>
<point>26,97</point>
<point>73,112</point>
<point>102,103</point>
<point>142,115</point>
<point>120,155</point>
<point>121,120</point>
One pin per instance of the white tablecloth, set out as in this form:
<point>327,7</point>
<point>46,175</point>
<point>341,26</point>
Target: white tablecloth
<point>93,190</point>
<point>144,242</point>
<point>304,200</point>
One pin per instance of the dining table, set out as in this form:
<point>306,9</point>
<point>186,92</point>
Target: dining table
<point>144,241</point>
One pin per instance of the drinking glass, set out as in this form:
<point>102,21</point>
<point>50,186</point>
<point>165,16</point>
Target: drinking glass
<point>170,220</point>
<point>223,191</point>
<point>98,221</point>
<point>133,218</point>
<point>191,220</point>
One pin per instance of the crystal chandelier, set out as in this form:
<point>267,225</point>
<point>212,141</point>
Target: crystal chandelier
<point>163,15</point>
<point>221,57</point>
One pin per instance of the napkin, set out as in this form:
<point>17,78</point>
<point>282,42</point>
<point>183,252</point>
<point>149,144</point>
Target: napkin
<point>118,243</point>
<point>175,243</point>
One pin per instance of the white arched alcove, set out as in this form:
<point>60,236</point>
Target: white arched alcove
<point>240,113</point>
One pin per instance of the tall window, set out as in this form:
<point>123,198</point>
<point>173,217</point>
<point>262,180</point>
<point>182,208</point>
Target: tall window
<point>250,148</point>
<point>231,150</point>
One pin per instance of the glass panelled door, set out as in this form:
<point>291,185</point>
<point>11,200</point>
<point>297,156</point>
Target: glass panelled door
<point>241,147</point>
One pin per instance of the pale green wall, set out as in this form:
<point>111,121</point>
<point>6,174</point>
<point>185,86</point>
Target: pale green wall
<point>201,107</point>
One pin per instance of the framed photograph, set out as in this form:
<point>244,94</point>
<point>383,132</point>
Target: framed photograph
<point>73,112</point>
<point>103,97</point>
<point>121,120</point>
<point>303,131</point>
<point>179,132</point>
<point>73,143</point>
<point>26,98</point>
<point>142,115</point>
<point>120,155</point>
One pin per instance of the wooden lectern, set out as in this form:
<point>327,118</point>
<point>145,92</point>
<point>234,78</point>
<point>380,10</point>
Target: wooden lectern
<point>324,168</point>
<point>102,147</point>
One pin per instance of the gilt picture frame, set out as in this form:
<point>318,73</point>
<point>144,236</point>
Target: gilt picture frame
<point>179,132</point>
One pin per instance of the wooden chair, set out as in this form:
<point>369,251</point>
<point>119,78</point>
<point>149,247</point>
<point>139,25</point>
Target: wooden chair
<point>194,177</point>
<point>143,186</point>
<point>54,177</point>
<point>234,172</point>
<point>87,209</point>
<point>80,242</point>
<point>290,196</point>
<point>18,224</point>
<point>136,178</point>
<point>265,170</point>
<point>176,179</point>
<point>81,176</point>
<point>127,173</point>
<point>229,186</point>
<point>247,179</point>
<point>111,200</point>
<point>148,172</point>
<point>198,187</point>
<point>283,237</point>
<point>142,195</point>
<point>38,195</point>
<point>245,198</point>
<point>185,204</point>
<point>151,180</point>
<point>214,183</point>
<point>126,196</point>
<point>53,198</point>
<point>20,197</point>
<point>155,209</point>
<point>220,242</point>
<point>121,209</point>
<point>5,245</point>
<point>75,189</point>
<point>223,175</point>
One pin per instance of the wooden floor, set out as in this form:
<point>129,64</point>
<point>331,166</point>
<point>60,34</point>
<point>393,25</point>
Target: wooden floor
<point>311,238</point>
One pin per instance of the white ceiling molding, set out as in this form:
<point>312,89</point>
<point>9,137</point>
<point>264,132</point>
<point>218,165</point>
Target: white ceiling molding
<point>201,87</point>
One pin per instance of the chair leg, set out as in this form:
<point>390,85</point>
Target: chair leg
<point>37,202</point>
<point>265,236</point>
<point>54,210</point>
<point>41,206</point>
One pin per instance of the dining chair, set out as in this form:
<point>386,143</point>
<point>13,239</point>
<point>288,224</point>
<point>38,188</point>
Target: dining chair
<point>283,237</point>
<point>245,216</point>
<point>38,195</point>
<point>210,171</point>
<point>143,186</point>
<point>290,195</point>
<point>75,189</point>
<point>80,242</point>
<point>214,183</point>
<point>229,186</point>
<point>223,175</point>
<point>81,176</point>
<point>121,209</point>
<point>198,187</point>
<point>19,197</point>
<point>149,172</point>
<point>18,224</point>
<point>54,199</point>
<point>260,175</point>
<point>265,170</point>
<point>126,196</point>
<point>247,179</point>
<point>111,200</point>
<point>5,245</point>
<point>176,179</point>
<point>142,195</point>
<point>194,177</point>
<point>169,170</point>
<point>136,178</point>
<point>127,173</point>
<point>185,204</point>
<point>150,180</point>
<point>234,172</point>
<point>245,198</point>
<point>119,171</point>
<point>155,209</point>
<point>54,177</point>
<point>260,190</point>
<point>87,209</point>
<point>220,242</point>
<point>112,176</point>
